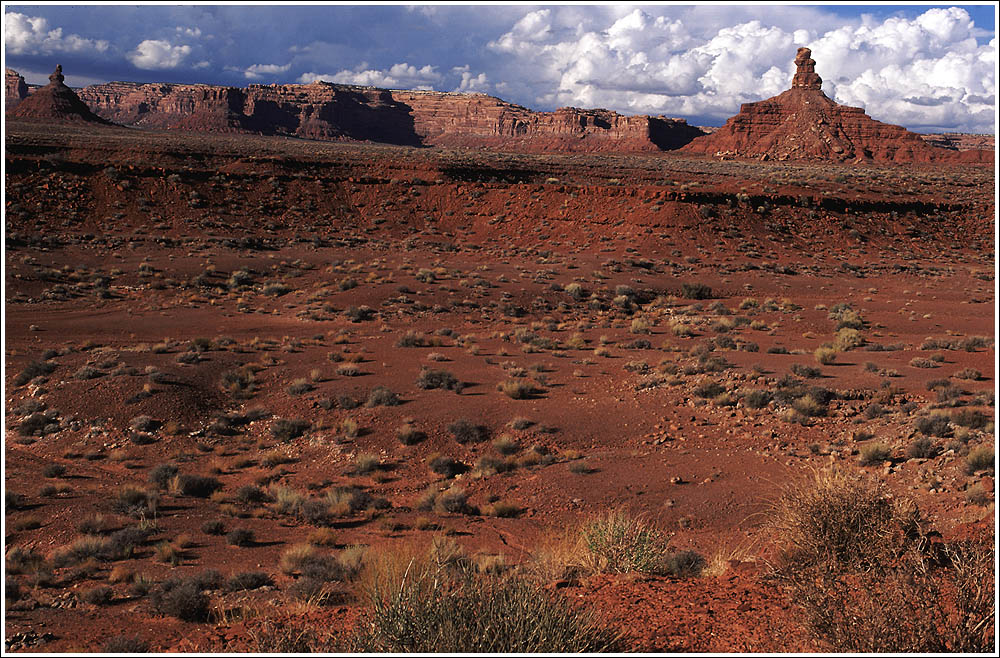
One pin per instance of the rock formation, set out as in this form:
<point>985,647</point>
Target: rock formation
<point>802,123</point>
<point>799,124</point>
<point>478,120</point>
<point>55,102</point>
<point>341,112</point>
<point>960,141</point>
<point>15,90</point>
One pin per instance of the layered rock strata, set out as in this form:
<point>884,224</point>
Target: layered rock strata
<point>340,112</point>
<point>15,89</point>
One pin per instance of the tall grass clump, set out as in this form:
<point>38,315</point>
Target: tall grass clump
<point>436,602</point>
<point>616,542</point>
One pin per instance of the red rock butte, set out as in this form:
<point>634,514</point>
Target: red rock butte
<point>802,123</point>
<point>53,102</point>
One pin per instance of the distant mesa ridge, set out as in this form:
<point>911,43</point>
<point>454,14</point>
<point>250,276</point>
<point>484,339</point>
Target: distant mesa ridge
<point>325,111</point>
<point>799,124</point>
<point>802,123</point>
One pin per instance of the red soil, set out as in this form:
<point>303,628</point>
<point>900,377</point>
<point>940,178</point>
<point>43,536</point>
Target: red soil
<point>119,240</point>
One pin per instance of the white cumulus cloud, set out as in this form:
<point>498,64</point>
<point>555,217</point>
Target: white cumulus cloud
<point>30,35</point>
<point>398,76</point>
<point>156,54</point>
<point>471,82</point>
<point>258,71</point>
<point>928,71</point>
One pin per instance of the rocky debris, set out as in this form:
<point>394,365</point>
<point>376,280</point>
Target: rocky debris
<point>332,112</point>
<point>802,123</point>
<point>15,89</point>
<point>55,102</point>
<point>27,640</point>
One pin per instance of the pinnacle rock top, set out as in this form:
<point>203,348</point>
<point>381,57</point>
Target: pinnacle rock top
<point>805,71</point>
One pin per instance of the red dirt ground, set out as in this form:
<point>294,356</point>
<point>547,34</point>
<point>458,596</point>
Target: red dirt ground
<point>120,250</point>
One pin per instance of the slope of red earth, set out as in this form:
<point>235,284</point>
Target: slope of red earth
<point>142,267</point>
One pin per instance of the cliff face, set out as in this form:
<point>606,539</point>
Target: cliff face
<point>15,89</point>
<point>164,105</point>
<point>470,120</point>
<point>804,124</point>
<point>337,112</point>
<point>960,141</point>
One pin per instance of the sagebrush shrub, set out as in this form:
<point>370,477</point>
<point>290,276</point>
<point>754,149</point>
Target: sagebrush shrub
<point>181,598</point>
<point>382,396</point>
<point>432,379</point>
<point>465,431</point>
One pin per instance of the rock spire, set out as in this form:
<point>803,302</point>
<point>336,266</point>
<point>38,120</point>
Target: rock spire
<point>805,71</point>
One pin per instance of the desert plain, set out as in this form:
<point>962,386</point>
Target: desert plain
<point>254,383</point>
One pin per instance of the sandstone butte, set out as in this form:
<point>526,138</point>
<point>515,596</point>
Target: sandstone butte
<point>802,123</point>
<point>54,101</point>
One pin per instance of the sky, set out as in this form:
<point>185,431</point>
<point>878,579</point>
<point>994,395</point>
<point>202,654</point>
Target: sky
<point>927,67</point>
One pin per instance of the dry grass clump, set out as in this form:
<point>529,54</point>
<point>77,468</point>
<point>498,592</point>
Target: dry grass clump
<point>435,600</point>
<point>825,355</point>
<point>980,459</point>
<point>836,516</point>
<point>239,383</point>
<point>418,339</point>
<point>616,542</point>
<point>409,435</point>
<point>432,379</point>
<point>864,578</point>
<point>847,339</point>
<point>518,389</point>
<point>465,431</point>
<point>381,396</point>
<point>874,454</point>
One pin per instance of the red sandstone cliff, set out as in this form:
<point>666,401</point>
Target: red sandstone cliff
<point>456,120</point>
<point>339,112</point>
<point>804,124</point>
<point>15,90</point>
